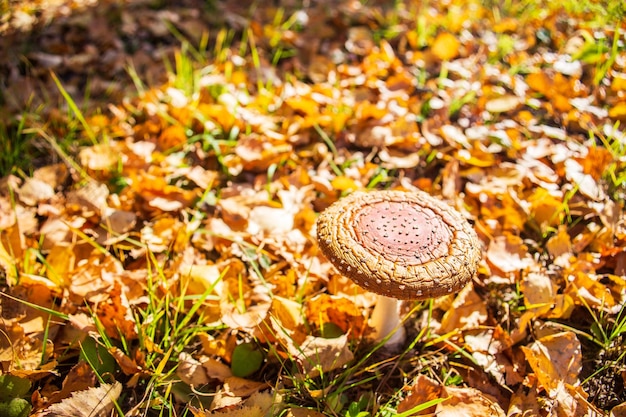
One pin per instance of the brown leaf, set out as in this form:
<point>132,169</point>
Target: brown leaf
<point>458,401</point>
<point>423,390</point>
<point>128,365</point>
<point>469,402</point>
<point>307,412</point>
<point>319,355</point>
<point>259,404</point>
<point>234,391</point>
<point>524,402</point>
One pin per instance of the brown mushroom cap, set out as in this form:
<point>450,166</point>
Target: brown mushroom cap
<point>405,245</point>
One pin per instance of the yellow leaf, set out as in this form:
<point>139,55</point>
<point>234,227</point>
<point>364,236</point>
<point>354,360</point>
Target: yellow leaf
<point>60,261</point>
<point>339,311</point>
<point>619,83</point>
<point>468,310</point>
<point>618,112</point>
<point>343,183</point>
<point>446,46</point>
<point>545,208</point>
<point>477,157</point>
<point>560,243</point>
<point>506,25</point>
<point>304,105</point>
<point>7,263</point>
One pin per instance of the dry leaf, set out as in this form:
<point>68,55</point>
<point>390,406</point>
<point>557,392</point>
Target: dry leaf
<point>467,311</point>
<point>458,401</point>
<point>502,104</point>
<point>524,402</point>
<point>445,47</point>
<point>259,404</point>
<point>234,391</point>
<point>306,412</point>
<point>318,355</point>
<point>93,402</point>
<point>35,191</point>
<point>508,254</point>
<point>100,157</point>
<point>467,402</point>
<point>555,359</point>
<point>619,410</point>
<point>424,389</point>
<point>337,310</point>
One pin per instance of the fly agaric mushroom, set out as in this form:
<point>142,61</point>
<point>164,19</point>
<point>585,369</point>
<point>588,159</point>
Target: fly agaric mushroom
<point>400,245</point>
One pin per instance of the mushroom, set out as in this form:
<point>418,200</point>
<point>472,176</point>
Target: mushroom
<point>400,245</point>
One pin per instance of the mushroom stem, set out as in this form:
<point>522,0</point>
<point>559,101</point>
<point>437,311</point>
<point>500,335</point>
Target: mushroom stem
<point>385,319</point>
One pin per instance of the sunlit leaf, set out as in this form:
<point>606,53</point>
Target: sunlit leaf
<point>555,359</point>
<point>93,402</point>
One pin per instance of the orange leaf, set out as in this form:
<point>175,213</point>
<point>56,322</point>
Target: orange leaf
<point>172,137</point>
<point>555,359</point>
<point>340,311</point>
<point>539,82</point>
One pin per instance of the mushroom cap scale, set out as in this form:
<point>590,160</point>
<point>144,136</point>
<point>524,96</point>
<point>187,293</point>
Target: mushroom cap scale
<point>405,245</point>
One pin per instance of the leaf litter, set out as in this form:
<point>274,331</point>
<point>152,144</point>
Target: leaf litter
<point>184,231</point>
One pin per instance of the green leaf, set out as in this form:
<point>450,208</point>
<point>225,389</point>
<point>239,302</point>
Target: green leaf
<point>247,359</point>
<point>331,331</point>
<point>97,356</point>
<point>13,387</point>
<point>421,407</point>
<point>17,407</point>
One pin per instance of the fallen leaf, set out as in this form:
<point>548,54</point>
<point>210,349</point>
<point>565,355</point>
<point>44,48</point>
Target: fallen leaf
<point>467,311</point>
<point>445,47</point>
<point>191,371</point>
<point>35,191</point>
<point>457,401</point>
<point>502,104</point>
<point>93,402</point>
<point>508,254</point>
<point>555,359</point>
<point>234,392</point>
<point>318,355</point>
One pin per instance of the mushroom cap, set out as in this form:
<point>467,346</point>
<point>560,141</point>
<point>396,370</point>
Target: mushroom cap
<point>405,245</point>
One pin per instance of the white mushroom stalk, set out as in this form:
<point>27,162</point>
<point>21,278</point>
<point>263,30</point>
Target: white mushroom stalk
<point>386,321</point>
<point>400,245</point>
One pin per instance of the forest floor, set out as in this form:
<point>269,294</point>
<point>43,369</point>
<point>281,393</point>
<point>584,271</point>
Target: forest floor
<point>163,164</point>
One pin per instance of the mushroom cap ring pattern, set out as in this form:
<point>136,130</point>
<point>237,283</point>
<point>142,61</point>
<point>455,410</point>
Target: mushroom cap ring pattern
<point>404,245</point>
